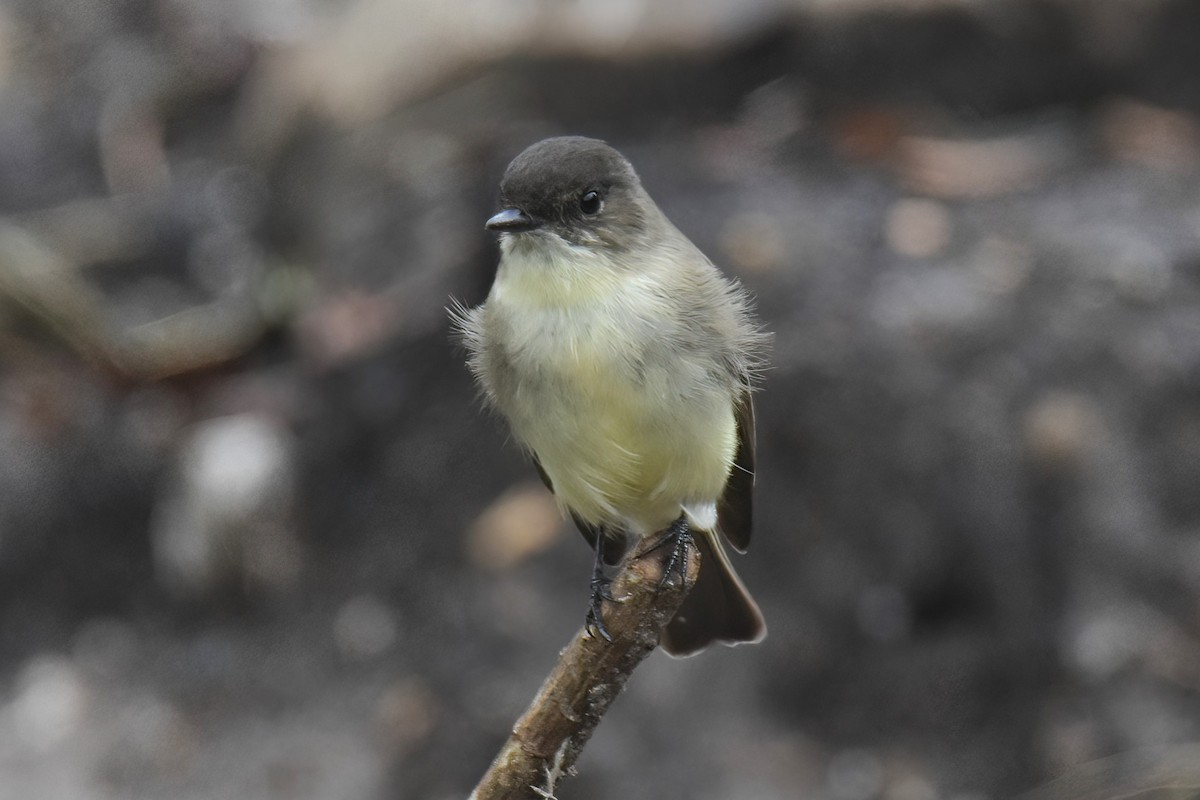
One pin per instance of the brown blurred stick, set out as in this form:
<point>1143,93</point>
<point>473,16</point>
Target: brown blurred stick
<point>47,284</point>
<point>547,739</point>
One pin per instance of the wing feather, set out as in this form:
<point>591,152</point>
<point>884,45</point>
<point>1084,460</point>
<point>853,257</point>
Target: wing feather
<point>735,510</point>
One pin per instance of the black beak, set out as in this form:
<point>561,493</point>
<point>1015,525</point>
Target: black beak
<point>511,220</point>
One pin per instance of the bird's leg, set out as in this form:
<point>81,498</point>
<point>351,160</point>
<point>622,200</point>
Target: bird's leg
<point>601,590</point>
<point>679,538</point>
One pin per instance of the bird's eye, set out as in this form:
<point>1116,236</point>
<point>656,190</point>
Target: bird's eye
<point>590,202</point>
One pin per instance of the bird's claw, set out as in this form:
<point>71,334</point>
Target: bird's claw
<point>601,591</point>
<point>595,615</point>
<point>679,538</point>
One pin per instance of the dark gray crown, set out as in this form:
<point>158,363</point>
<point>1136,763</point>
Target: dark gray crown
<point>554,169</point>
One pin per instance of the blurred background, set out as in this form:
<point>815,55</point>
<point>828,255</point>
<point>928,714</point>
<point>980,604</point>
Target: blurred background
<point>258,539</point>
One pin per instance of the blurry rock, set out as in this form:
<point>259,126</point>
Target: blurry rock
<point>933,301</point>
<point>753,242</point>
<point>521,523</point>
<point>918,228</point>
<point>1104,641</point>
<point>869,133</point>
<point>49,702</point>
<point>149,738</point>
<point>855,775</point>
<point>1002,265</point>
<point>1138,268</point>
<point>364,627</point>
<point>911,786</point>
<point>1059,428</point>
<point>406,715</point>
<point>344,326</point>
<point>1151,136</point>
<point>226,518</point>
<point>978,167</point>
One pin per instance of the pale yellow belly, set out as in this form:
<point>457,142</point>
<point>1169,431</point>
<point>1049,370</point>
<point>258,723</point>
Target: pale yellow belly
<point>589,365</point>
<point>625,452</point>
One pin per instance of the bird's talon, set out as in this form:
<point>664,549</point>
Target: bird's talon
<point>679,538</point>
<point>595,623</point>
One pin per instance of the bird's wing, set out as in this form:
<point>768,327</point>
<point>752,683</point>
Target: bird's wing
<point>735,510</point>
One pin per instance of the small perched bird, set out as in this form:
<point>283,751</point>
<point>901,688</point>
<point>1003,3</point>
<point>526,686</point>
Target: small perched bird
<point>623,359</point>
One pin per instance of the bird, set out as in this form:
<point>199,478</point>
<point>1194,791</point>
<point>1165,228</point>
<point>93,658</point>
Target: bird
<point>624,362</point>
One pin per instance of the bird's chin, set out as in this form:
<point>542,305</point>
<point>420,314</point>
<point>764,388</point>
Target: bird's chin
<point>537,239</point>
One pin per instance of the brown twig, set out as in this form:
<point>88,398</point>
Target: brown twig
<point>48,285</point>
<point>590,673</point>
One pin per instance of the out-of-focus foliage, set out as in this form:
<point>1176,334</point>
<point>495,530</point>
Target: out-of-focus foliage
<point>258,540</point>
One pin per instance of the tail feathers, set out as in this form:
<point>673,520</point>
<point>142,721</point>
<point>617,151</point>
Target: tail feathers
<point>717,609</point>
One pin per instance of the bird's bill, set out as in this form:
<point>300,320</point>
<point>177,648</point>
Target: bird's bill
<point>511,220</point>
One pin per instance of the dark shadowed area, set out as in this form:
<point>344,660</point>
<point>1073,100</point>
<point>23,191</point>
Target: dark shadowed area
<point>259,540</point>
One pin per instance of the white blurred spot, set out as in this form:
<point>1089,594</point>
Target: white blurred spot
<point>49,702</point>
<point>228,514</point>
<point>1108,641</point>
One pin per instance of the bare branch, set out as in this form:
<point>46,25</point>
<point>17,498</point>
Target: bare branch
<point>590,673</point>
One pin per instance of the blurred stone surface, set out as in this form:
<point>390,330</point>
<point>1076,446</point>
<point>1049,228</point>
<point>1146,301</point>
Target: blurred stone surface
<point>918,228</point>
<point>521,523</point>
<point>979,167</point>
<point>228,515</point>
<point>364,628</point>
<point>49,704</point>
<point>1159,138</point>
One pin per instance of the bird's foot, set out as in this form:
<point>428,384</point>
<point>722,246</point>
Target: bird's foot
<point>678,537</point>
<point>595,615</point>
<point>601,591</point>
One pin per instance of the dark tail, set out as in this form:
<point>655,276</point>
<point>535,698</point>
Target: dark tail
<point>717,609</point>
